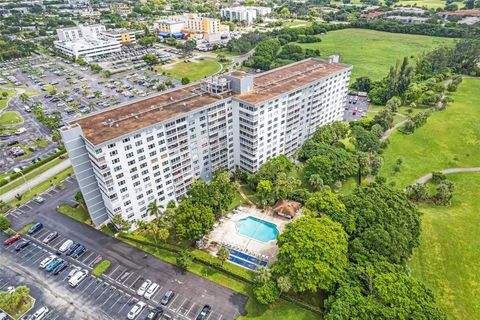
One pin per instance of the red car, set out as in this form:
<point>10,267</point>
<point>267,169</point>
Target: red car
<point>11,240</point>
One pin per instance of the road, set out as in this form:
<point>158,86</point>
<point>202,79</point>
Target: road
<point>226,303</point>
<point>44,176</point>
<point>427,177</point>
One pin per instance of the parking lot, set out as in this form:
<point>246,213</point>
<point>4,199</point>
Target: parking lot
<point>355,108</point>
<point>114,293</point>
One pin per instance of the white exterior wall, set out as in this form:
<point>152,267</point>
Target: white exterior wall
<point>163,160</point>
<point>239,14</point>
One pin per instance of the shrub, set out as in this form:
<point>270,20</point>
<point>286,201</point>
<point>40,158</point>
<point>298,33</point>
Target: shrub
<point>4,223</point>
<point>101,267</point>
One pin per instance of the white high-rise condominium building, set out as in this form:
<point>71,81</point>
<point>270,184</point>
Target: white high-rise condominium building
<point>238,14</point>
<point>155,148</point>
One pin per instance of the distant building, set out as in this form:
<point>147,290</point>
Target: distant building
<point>373,15</point>
<point>120,35</point>
<point>469,20</point>
<point>408,19</point>
<point>190,24</point>
<point>239,14</point>
<point>78,2</point>
<point>85,41</point>
<point>120,8</point>
<point>460,13</point>
<point>410,10</point>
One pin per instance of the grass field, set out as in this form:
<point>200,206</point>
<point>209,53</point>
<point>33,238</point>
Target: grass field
<point>373,52</point>
<point>10,118</point>
<point>4,101</point>
<point>447,260</point>
<point>423,3</point>
<point>450,139</point>
<point>195,70</point>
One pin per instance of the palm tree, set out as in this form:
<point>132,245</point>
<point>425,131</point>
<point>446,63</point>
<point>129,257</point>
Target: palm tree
<point>154,209</point>
<point>223,254</point>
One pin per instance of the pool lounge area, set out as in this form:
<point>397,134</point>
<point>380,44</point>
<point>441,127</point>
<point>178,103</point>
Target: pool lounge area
<point>250,235</point>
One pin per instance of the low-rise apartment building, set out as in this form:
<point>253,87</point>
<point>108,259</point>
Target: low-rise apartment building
<point>155,148</point>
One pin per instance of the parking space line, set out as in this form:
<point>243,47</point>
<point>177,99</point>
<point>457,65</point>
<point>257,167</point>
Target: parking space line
<point>94,281</point>
<point>113,272</point>
<point>130,299</point>
<point>85,257</point>
<point>119,297</point>
<point>113,293</point>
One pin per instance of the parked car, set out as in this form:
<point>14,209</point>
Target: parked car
<point>204,312</point>
<point>154,314</point>
<point>52,265</point>
<point>38,200</point>
<point>167,297</point>
<point>136,309</point>
<point>62,266</point>
<point>12,239</point>
<point>144,287</point>
<point>77,278</point>
<point>45,262</point>
<point>65,246</point>
<point>40,313</point>
<point>151,290</point>
<point>72,272</point>
<point>50,237</point>
<point>79,251</point>
<point>22,245</point>
<point>72,249</point>
<point>36,227</point>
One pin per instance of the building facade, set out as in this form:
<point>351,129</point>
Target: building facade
<point>239,14</point>
<point>120,35</point>
<point>155,148</point>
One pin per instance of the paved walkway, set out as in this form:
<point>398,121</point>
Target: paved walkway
<point>427,177</point>
<point>44,176</point>
<point>387,133</point>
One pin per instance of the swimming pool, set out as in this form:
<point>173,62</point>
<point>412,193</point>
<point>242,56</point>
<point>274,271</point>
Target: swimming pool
<point>257,229</point>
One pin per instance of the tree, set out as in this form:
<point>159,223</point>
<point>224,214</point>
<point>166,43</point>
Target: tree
<point>266,293</point>
<point>264,189</point>
<point>193,221</point>
<point>121,223</point>
<point>150,59</point>
<point>24,97</point>
<point>365,140</point>
<point>393,104</point>
<point>312,253</point>
<point>316,182</point>
<point>416,192</point>
<point>362,84</point>
<point>154,209</point>
<point>4,95</point>
<point>444,193</point>
<point>184,259</point>
<point>328,203</point>
<point>185,80</point>
<point>189,46</point>
<point>80,199</point>
<point>387,224</point>
<point>223,254</point>
<point>284,12</point>
<point>263,274</point>
<point>284,284</point>
<point>4,223</point>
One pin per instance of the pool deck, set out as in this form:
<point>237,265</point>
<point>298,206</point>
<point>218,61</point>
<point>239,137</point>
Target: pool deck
<point>225,233</point>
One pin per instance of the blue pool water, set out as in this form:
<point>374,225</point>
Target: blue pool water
<point>257,229</point>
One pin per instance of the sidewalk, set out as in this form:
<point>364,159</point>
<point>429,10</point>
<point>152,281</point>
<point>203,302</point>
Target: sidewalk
<point>44,176</point>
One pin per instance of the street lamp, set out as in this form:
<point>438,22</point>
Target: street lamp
<point>25,180</point>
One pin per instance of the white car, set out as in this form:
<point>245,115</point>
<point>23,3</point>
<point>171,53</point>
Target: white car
<point>40,313</point>
<point>136,309</point>
<point>10,289</point>
<point>144,287</point>
<point>65,246</point>
<point>45,262</point>
<point>151,291</point>
<point>72,272</point>
<point>77,278</point>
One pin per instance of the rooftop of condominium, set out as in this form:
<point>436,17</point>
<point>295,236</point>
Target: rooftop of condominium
<point>128,118</point>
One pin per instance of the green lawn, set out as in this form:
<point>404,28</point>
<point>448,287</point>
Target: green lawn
<point>373,52</point>
<point>28,176</point>
<point>101,267</point>
<point>282,310</point>
<point>4,101</point>
<point>423,3</point>
<point>296,24</point>
<point>447,260</point>
<point>10,118</point>
<point>450,138</point>
<point>195,70</point>
<point>77,213</point>
<point>42,187</point>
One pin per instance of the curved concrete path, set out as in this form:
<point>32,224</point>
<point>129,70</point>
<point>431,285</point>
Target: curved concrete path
<point>427,177</point>
<point>387,133</point>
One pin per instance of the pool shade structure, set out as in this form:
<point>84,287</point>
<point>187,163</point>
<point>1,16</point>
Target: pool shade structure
<point>257,229</point>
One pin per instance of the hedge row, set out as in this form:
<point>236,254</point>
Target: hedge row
<point>199,256</point>
<point>204,258</point>
<point>15,175</point>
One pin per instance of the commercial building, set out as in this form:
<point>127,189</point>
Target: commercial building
<point>239,14</point>
<point>120,35</point>
<point>155,148</point>
<point>168,26</point>
<point>90,41</point>
<point>190,24</point>
<point>408,19</point>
